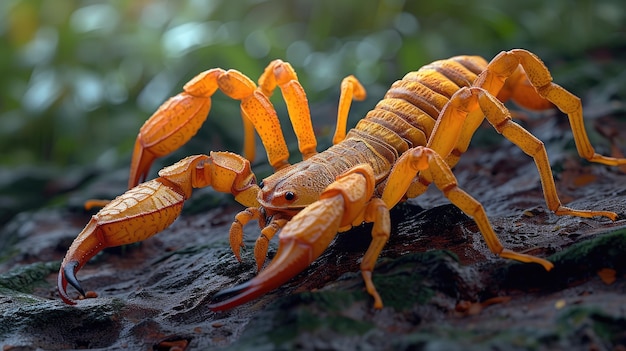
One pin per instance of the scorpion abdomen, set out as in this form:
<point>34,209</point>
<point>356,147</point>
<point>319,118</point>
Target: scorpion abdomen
<point>407,114</point>
<point>405,118</point>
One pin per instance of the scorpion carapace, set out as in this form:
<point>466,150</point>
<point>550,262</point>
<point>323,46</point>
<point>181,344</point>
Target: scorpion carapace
<point>409,140</point>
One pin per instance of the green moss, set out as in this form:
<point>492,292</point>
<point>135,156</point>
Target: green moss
<point>25,278</point>
<point>413,290</point>
<point>576,328</point>
<point>18,297</point>
<point>329,300</point>
<point>604,251</point>
<point>309,321</point>
<point>315,313</point>
<point>420,275</point>
<point>580,261</point>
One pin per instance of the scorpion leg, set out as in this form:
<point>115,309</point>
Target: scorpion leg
<point>343,203</point>
<point>507,64</point>
<point>236,229</point>
<point>150,207</point>
<point>281,74</point>
<point>351,89</point>
<point>499,117</point>
<point>448,131</point>
<point>420,159</point>
<point>263,241</point>
<point>378,213</point>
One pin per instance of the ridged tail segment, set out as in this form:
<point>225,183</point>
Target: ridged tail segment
<point>406,116</point>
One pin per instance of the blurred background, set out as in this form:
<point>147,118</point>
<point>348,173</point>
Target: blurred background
<point>79,77</point>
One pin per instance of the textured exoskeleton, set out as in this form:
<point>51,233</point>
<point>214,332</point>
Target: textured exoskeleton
<point>410,139</point>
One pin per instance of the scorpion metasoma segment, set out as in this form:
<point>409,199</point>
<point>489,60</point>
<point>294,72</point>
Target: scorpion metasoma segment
<point>409,140</point>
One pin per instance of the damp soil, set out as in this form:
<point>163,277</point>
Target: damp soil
<point>442,288</point>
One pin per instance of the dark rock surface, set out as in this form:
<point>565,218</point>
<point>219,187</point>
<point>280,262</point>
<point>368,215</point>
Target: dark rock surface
<point>442,288</point>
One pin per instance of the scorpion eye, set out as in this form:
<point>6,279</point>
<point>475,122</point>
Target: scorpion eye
<point>289,196</point>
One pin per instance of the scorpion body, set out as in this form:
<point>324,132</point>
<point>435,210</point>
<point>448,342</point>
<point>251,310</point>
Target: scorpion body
<point>403,119</point>
<point>410,139</point>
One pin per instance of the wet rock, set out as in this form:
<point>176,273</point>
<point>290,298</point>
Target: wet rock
<point>441,286</point>
<point>35,323</point>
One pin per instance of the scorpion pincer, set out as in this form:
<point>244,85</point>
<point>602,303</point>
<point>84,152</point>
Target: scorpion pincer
<point>410,139</point>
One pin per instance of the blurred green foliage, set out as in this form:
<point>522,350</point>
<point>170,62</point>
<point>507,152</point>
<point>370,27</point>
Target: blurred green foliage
<point>79,77</point>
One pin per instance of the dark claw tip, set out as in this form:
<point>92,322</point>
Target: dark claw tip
<point>229,298</point>
<point>225,294</point>
<point>70,275</point>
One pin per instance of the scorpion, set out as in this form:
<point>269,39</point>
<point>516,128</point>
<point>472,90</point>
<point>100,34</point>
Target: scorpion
<point>413,137</point>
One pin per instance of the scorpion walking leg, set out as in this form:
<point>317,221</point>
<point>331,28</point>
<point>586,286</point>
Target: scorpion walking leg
<point>507,77</point>
<point>448,132</point>
<point>500,118</point>
<point>263,241</point>
<point>507,64</point>
<point>236,229</point>
<point>281,74</point>
<point>257,108</point>
<point>421,159</point>
<point>377,213</point>
<point>472,122</point>
<point>351,89</point>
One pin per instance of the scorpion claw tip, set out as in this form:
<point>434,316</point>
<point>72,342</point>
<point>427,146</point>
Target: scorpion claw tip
<point>231,297</point>
<point>68,275</point>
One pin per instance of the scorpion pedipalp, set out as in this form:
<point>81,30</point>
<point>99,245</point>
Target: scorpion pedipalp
<point>150,207</point>
<point>123,221</point>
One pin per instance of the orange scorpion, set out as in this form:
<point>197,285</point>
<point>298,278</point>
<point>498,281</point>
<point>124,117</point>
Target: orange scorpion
<point>412,138</point>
